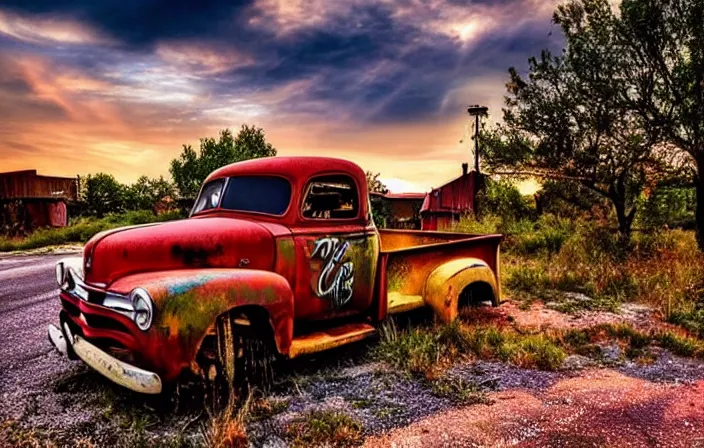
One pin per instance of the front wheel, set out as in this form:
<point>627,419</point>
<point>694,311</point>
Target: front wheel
<point>242,360</point>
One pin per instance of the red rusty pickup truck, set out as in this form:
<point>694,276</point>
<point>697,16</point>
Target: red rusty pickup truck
<point>278,252</point>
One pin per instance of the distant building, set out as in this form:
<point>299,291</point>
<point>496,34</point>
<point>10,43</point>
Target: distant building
<point>443,206</point>
<point>28,200</point>
<point>403,209</point>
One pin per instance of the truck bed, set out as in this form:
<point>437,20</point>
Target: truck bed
<point>409,256</point>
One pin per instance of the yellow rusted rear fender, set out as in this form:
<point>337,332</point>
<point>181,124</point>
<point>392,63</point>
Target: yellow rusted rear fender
<point>188,302</point>
<point>447,281</point>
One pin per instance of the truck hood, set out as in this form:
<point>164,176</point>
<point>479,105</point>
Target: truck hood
<point>214,242</point>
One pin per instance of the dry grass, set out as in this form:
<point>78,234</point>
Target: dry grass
<point>12,434</point>
<point>228,429</point>
<point>662,270</point>
<point>428,351</point>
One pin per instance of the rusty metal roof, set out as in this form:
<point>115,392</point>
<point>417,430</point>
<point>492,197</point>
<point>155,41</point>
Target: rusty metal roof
<point>27,184</point>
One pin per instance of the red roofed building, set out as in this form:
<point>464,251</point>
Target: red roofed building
<point>444,206</point>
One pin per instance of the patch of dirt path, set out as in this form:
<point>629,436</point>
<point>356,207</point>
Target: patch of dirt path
<point>597,408</point>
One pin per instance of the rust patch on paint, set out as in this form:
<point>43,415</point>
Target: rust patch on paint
<point>286,249</point>
<point>398,271</point>
<point>195,256</point>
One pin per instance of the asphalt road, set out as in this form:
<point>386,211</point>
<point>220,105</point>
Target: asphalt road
<point>29,302</point>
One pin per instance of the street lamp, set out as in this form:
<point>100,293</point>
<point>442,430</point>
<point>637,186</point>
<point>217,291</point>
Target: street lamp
<point>477,111</point>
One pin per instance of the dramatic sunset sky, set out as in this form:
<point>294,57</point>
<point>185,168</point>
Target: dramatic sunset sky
<point>119,85</point>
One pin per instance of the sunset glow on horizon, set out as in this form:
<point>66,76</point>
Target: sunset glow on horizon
<point>119,87</point>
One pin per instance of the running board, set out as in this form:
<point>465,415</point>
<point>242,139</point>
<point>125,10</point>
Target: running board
<point>329,338</point>
<point>400,303</point>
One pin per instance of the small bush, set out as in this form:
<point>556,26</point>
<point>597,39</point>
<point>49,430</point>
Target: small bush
<point>324,428</point>
<point>265,408</point>
<point>534,351</point>
<point>486,225</point>
<point>548,235</point>
<point>416,351</point>
<point>82,229</point>
<point>693,321</point>
<point>526,277</point>
<point>635,338</point>
<point>580,342</point>
<point>459,391</point>
<point>681,345</point>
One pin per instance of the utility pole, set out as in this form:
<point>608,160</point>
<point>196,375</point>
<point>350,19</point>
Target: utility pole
<point>477,111</point>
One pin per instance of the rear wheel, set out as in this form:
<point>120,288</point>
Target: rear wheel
<point>241,359</point>
<point>476,295</point>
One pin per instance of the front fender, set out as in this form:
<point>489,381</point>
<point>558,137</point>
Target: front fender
<point>187,303</point>
<point>447,281</point>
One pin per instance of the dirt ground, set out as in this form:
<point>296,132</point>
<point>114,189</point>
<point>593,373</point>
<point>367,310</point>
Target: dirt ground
<point>46,400</point>
<point>600,407</point>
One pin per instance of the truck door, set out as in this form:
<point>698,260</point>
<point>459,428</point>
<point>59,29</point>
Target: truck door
<point>339,246</point>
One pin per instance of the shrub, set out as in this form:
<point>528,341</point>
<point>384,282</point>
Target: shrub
<point>459,391</point>
<point>488,224</point>
<point>503,199</point>
<point>533,351</point>
<point>416,350</point>
<point>324,428</point>
<point>549,234</point>
<point>682,346</point>
<point>693,320</point>
<point>82,229</point>
<point>668,206</point>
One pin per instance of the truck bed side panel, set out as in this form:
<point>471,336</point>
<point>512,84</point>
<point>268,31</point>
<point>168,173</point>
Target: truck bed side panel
<point>408,269</point>
<point>392,240</point>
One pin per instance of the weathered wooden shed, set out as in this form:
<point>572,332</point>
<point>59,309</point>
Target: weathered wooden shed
<point>29,200</point>
<point>403,209</point>
<point>443,206</point>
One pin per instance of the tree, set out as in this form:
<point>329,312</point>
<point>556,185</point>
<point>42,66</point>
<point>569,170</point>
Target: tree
<point>666,42</point>
<point>570,200</point>
<point>503,199</point>
<point>568,120</point>
<point>374,184</point>
<point>103,194</point>
<point>146,192</point>
<point>381,211</point>
<point>191,168</point>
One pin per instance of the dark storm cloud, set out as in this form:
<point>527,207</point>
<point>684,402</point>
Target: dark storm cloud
<point>143,22</point>
<point>339,51</point>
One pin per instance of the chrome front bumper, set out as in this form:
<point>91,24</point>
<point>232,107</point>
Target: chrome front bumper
<point>127,375</point>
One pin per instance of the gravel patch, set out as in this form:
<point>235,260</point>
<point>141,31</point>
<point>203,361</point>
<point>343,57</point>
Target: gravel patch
<point>377,397</point>
<point>667,368</point>
<point>496,376</point>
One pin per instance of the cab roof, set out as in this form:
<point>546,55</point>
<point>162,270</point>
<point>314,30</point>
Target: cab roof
<point>298,171</point>
<point>293,168</point>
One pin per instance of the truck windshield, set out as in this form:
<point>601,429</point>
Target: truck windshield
<point>260,194</point>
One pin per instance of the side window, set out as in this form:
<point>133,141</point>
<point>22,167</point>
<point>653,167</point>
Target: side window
<point>331,197</point>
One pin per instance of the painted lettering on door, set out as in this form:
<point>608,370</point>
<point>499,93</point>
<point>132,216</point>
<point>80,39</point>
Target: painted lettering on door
<point>336,278</point>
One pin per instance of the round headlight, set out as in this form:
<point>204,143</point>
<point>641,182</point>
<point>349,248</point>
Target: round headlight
<point>60,273</point>
<point>143,308</point>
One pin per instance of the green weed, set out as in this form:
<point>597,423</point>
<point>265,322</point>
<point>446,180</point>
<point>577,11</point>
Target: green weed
<point>324,428</point>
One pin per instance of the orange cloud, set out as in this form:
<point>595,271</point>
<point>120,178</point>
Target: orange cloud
<point>43,30</point>
<point>130,114</point>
